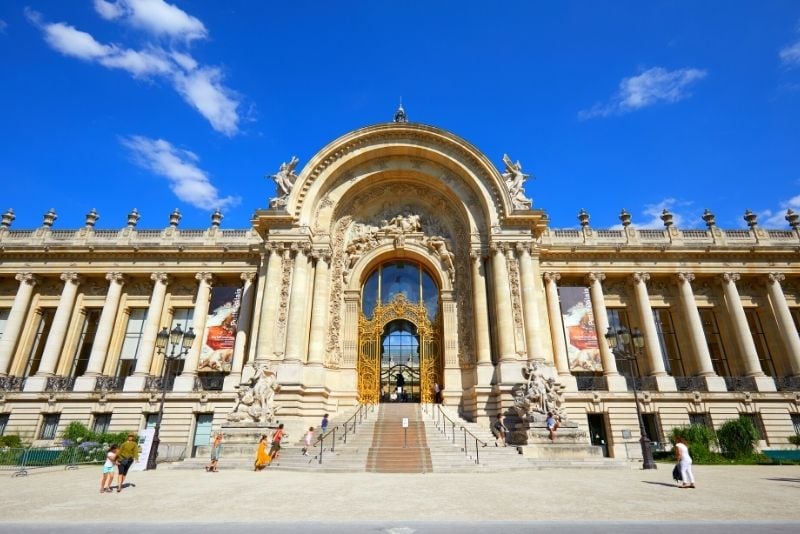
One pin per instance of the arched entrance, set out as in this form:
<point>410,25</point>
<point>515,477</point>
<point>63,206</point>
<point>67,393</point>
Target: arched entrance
<point>399,349</point>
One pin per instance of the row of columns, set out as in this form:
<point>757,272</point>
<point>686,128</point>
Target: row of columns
<point>54,343</point>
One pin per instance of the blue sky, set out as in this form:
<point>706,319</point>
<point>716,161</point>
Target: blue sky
<point>638,105</point>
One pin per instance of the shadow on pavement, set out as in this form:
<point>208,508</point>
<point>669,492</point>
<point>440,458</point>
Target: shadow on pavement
<point>667,484</point>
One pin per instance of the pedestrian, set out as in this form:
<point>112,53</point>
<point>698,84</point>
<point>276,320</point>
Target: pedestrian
<point>128,454</point>
<point>275,448</point>
<point>216,450</point>
<point>500,431</point>
<point>262,456</point>
<point>108,469</point>
<point>309,437</point>
<point>437,393</point>
<point>552,426</point>
<point>685,462</point>
<point>324,424</point>
<point>401,382</point>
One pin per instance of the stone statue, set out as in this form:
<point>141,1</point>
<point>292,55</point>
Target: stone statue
<point>515,181</point>
<point>285,179</point>
<point>256,398</point>
<point>538,395</point>
<point>438,246</point>
<point>402,223</point>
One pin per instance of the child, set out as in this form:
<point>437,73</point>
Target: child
<point>308,438</point>
<point>108,469</point>
<point>324,423</point>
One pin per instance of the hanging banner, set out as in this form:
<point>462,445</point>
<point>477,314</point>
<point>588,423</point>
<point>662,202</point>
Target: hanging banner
<point>219,336</point>
<point>145,444</point>
<point>579,329</point>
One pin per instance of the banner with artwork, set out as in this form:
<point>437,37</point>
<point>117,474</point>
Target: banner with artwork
<point>579,329</point>
<point>219,336</point>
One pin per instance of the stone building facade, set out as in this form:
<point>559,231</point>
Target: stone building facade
<point>400,249</point>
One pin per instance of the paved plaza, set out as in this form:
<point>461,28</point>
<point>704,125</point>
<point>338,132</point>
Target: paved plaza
<point>742,493</point>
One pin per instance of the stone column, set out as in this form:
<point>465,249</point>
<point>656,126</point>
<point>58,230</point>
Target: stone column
<point>482,344</point>
<point>531,313</point>
<point>557,332</point>
<point>16,318</point>
<point>615,381</point>
<point>243,329</point>
<point>136,382</point>
<point>786,327</point>
<point>185,381</point>
<point>504,314</point>
<point>319,310</point>
<point>297,328</point>
<point>58,331</point>
<point>102,338</point>
<point>655,358</point>
<point>697,336</point>
<point>269,306</point>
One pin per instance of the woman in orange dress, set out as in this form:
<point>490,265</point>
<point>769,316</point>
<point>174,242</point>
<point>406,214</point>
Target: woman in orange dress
<point>262,456</point>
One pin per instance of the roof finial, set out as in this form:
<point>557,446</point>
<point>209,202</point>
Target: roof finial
<point>400,114</point>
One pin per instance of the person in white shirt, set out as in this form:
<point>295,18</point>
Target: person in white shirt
<point>685,462</point>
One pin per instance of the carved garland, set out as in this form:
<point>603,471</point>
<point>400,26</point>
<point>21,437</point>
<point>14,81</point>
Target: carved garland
<point>283,308</point>
<point>516,303</point>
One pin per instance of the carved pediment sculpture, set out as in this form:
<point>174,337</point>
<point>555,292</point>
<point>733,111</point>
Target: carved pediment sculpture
<point>256,397</point>
<point>285,179</point>
<point>515,182</point>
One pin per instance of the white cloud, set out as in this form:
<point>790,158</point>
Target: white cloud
<point>154,16</point>
<point>790,55</point>
<point>650,87</point>
<point>189,183</point>
<point>3,26</point>
<point>653,213</point>
<point>201,87</point>
<point>777,218</point>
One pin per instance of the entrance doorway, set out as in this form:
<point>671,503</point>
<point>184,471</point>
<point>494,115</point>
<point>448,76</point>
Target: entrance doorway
<point>597,431</point>
<point>202,431</point>
<point>400,377</point>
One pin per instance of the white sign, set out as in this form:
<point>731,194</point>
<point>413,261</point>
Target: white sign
<point>405,422</point>
<point>145,444</point>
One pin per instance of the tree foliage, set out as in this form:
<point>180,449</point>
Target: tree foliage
<point>738,438</point>
<point>699,439</point>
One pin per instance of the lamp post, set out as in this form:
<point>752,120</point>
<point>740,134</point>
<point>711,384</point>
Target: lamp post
<point>627,346</point>
<point>180,343</point>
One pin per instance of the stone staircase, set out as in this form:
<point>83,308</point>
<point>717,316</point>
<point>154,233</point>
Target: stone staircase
<point>398,449</point>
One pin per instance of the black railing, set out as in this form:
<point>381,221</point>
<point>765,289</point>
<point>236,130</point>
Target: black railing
<point>209,382</point>
<point>158,383</point>
<point>690,383</point>
<point>59,383</point>
<point>642,383</point>
<point>591,383</point>
<point>740,383</point>
<point>349,426</point>
<point>11,383</point>
<point>787,383</point>
<point>442,423</point>
<point>104,384</point>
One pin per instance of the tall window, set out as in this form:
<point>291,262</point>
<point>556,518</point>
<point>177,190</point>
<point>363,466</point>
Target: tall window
<point>796,316</point>
<point>701,419</point>
<point>715,347</point>
<point>183,317</point>
<point>49,426</point>
<point>755,418</point>
<point>3,320</point>
<point>796,422</point>
<point>45,319</point>
<point>618,319</point>
<point>668,340</point>
<point>85,341</point>
<point>101,423</point>
<point>652,425</point>
<point>400,278</point>
<point>3,423</point>
<point>131,345</point>
<point>760,340</point>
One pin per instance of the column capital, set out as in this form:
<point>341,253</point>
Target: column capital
<point>731,277</point>
<point>206,277</point>
<point>476,254</point>
<point>248,277</point>
<point>522,247</point>
<point>640,277</point>
<point>27,278</point>
<point>117,277</point>
<point>595,277</point>
<point>160,277</point>
<point>684,277</point>
<point>495,248</point>
<point>71,277</point>
<point>551,277</point>
<point>776,278</point>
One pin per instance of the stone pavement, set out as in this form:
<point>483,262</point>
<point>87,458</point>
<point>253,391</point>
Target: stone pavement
<point>166,495</point>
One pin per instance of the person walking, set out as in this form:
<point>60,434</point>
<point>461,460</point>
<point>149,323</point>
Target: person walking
<point>437,393</point>
<point>275,448</point>
<point>324,424</point>
<point>216,451</point>
<point>262,456</point>
<point>128,454</point>
<point>685,462</point>
<point>500,430</point>
<point>108,469</point>
<point>308,439</point>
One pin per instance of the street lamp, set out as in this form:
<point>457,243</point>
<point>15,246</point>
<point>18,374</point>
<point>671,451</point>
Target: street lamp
<point>627,346</point>
<point>180,343</point>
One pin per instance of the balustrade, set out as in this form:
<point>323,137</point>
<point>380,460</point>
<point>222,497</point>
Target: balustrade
<point>104,384</point>
<point>11,383</point>
<point>592,383</point>
<point>59,383</point>
<point>740,383</point>
<point>788,383</point>
<point>690,383</point>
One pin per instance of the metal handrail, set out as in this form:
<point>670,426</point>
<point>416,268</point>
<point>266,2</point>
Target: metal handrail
<point>440,418</point>
<point>357,417</point>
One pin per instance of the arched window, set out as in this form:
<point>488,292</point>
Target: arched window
<point>401,277</point>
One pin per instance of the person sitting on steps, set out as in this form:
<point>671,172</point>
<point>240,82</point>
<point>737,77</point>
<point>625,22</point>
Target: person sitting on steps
<point>552,426</point>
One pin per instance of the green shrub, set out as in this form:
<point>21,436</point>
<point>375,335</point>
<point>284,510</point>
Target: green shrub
<point>738,438</point>
<point>12,440</point>
<point>77,433</point>
<point>795,440</point>
<point>699,438</point>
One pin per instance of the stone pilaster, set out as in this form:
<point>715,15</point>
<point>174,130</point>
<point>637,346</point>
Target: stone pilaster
<point>268,322</point>
<point>16,319</point>
<point>296,332</point>
<point>319,318</point>
<point>533,330</point>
